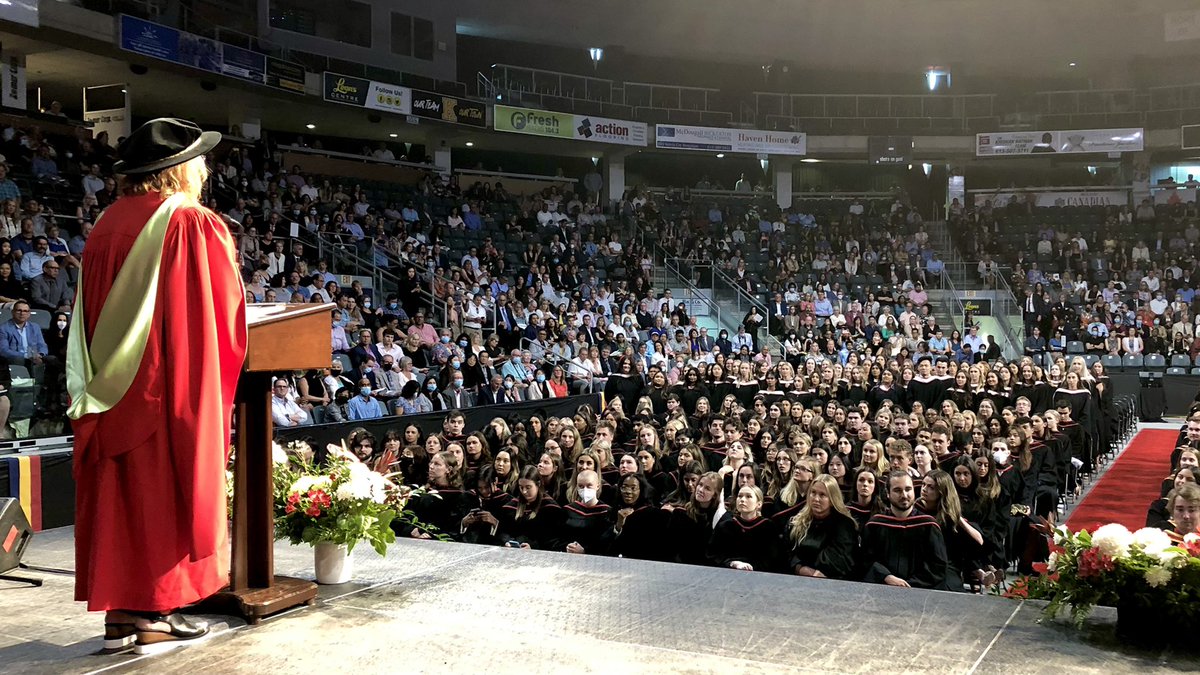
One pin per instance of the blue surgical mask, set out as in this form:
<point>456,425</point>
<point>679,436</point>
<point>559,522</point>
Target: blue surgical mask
<point>541,377</point>
<point>432,386</point>
<point>366,369</point>
<point>455,364</point>
<point>393,305</point>
<point>445,339</point>
<point>365,391</point>
<point>508,385</point>
<point>463,343</point>
<point>458,383</point>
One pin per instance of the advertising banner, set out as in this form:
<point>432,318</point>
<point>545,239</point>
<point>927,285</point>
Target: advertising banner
<point>718,139</point>
<point>890,149</point>
<point>1177,195</point>
<point>568,125</point>
<point>356,91</point>
<point>1059,198</point>
<point>12,80</point>
<point>1058,142</point>
<point>448,109</point>
<point>169,44</point>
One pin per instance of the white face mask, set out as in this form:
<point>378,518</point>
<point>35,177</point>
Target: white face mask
<point>1001,456</point>
<point>587,495</point>
<point>62,325</point>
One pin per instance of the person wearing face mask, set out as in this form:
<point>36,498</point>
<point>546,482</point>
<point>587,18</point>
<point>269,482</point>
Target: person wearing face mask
<point>538,389</point>
<point>56,336</point>
<point>364,406</point>
<point>456,396</point>
<point>587,525</point>
<point>338,409</point>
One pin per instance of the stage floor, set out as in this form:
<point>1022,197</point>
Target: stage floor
<point>431,607</point>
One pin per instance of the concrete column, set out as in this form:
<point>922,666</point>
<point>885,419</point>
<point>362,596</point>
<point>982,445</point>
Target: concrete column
<point>782,172</point>
<point>614,175</point>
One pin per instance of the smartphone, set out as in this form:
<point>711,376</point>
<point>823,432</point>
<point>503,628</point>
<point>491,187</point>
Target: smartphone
<point>512,543</point>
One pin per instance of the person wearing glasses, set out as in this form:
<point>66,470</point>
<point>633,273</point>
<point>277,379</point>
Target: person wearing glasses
<point>49,290</point>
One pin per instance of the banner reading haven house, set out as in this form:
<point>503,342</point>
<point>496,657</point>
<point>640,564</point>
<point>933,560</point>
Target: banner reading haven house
<point>568,125</point>
<point>356,91</point>
<point>1058,142</point>
<point>719,139</point>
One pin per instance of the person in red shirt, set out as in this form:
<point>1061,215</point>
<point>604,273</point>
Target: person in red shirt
<point>156,346</point>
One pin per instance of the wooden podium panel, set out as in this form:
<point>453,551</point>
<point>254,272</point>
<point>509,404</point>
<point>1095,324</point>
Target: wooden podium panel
<point>282,338</point>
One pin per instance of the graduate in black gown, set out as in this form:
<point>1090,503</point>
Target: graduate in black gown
<point>903,547</point>
<point>445,510</point>
<point>639,525</point>
<point>534,519</point>
<point>824,536</point>
<point>587,521</point>
<point>690,526</point>
<point>748,541</point>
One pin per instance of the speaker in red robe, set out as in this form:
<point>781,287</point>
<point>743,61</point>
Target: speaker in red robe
<point>158,342</point>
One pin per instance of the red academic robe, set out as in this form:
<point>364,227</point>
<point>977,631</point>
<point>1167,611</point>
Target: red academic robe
<point>150,515</point>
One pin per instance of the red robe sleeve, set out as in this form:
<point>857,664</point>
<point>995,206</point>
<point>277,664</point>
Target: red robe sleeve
<point>202,303</point>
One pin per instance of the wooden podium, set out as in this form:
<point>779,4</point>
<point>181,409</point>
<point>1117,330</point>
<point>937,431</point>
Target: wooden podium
<point>282,338</point>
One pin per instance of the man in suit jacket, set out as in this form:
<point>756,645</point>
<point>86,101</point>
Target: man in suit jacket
<point>364,349</point>
<point>506,323</point>
<point>455,397</point>
<point>1033,308</point>
<point>493,394</point>
<point>22,343</point>
<point>705,342</point>
<point>778,310</point>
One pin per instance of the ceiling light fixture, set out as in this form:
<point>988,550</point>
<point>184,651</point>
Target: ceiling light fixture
<point>720,155</point>
<point>1072,64</point>
<point>310,125</point>
<point>470,144</point>
<point>393,135</point>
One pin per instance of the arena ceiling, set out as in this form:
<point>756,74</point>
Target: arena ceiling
<point>987,37</point>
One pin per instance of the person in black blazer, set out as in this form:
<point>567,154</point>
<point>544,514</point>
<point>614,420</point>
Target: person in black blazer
<point>1033,309</point>
<point>493,393</point>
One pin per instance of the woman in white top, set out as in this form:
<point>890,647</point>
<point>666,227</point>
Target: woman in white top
<point>455,221</point>
<point>1132,343</point>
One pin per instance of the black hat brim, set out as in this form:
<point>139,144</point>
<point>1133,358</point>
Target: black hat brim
<point>207,141</point>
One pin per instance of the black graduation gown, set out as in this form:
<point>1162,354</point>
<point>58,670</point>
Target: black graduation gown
<point>689,395</point>
<point>878,395</point>
<point>1157,515</point>
<point>687,539</point>
<point>641,537</point>
<point>481,533</point>
<point>444,511</point>
<point>1040,395</point>
<point>744,393</point>
<point>589,526</point>
<point>992,524</point>
<point>627,388</point>
<point>539,532</point>
<point>930,392</point>
<point>911,548</point>
<point>861,514</point>
<point>830,546</point>
<point>755,542</point>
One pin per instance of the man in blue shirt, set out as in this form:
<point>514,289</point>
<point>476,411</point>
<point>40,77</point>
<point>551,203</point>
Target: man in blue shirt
<point>409,214</point>
<point>32,262</point>
<point>22,344</point>
<point>471,219</point>
<point>823,308</point>
<point>364,406</point>
<point>8,189</point>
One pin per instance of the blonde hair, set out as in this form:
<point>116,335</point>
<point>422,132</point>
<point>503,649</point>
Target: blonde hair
<point>187,178</point>
<point>803,520</point>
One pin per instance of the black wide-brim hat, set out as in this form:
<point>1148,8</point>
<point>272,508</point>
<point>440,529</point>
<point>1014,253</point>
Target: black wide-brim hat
<point>162,143</point>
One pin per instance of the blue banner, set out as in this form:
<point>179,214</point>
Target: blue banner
<point>149,39</point>
<point>169,44</point>
<point>243,64</point>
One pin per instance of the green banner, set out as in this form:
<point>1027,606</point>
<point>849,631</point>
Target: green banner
<point>533,122</point>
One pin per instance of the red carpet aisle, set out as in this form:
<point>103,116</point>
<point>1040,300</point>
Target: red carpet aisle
<point>1130,484</point>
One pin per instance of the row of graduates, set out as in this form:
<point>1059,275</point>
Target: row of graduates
<point>878,524</point>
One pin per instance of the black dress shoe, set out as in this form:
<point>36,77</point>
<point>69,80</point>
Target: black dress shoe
<point>183,632</point>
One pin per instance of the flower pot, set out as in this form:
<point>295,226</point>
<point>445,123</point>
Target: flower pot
<point>333,563</point>
<point>1142,625</point>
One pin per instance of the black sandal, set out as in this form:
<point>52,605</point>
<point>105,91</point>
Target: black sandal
<point>183,632</point>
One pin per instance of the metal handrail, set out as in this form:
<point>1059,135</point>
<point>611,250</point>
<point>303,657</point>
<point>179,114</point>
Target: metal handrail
<point>719,273</point>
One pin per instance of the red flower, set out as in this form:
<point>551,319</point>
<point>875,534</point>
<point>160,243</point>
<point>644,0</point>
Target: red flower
<point>1040,568</point>
<point>321,498</point>
<point>1092,563</point>
<point>1193,548</point>
<point>294,498</point>
<point>313,511</point>
<point>290,508</point>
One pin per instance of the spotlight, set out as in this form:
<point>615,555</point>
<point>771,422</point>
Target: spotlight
<point>310,125</point>
<point>1072,64</point>
<point>393,135</point>
<point>470,144</point>
<point>720,155</point>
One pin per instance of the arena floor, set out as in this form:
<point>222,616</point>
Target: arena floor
<point>431,607</point>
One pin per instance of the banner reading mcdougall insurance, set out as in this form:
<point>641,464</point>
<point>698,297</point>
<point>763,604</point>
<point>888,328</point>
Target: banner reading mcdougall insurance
<point>1058,142</point>
<point>568,125</point>
<point>719,139</point>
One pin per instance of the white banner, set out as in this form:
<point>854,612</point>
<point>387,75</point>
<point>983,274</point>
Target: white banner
<point>606,130</point>
<point>1058,198</point>
<point>718,139</point>
<point>12,81</point>
<point>1058,142</point>
<point>1175,196</point>
<point>389,98</point>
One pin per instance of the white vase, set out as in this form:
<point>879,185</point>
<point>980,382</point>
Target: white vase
<point>333,563</point>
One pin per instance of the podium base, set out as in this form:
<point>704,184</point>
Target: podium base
<point>254,604</point>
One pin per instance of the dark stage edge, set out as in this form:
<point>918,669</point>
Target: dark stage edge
<point>432,607</point>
